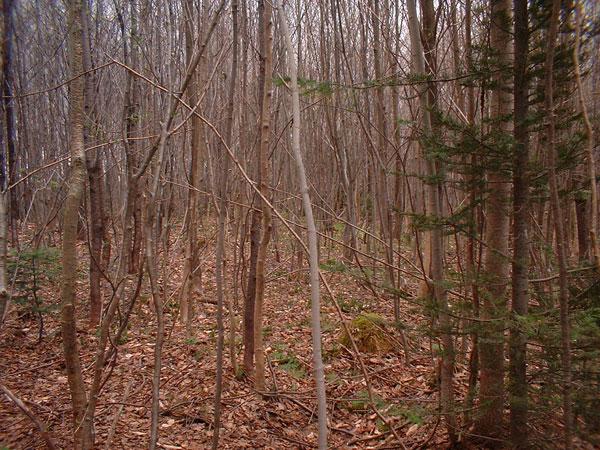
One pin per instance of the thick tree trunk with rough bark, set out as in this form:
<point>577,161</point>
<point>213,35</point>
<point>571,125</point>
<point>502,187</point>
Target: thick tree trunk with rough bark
<point>496,261</point>
<point>8,102</point>
<point>520,230</point>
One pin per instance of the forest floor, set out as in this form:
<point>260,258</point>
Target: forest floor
<point>404,390</point>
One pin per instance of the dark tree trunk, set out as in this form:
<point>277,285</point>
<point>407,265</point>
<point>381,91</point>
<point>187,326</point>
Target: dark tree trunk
<point>249,299</point>
<point>96,224</point>
<point>559,232</point>
<point>496,262</point>
<point>583,228</point>
<point>520,265</point>
<point>8,103</point>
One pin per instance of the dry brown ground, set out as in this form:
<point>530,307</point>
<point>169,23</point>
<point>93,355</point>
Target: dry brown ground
<point>35,372</point>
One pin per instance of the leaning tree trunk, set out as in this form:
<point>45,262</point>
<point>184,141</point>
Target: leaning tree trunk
<point>75,191</point>
<point>312,237</point>
<point>151,233</point>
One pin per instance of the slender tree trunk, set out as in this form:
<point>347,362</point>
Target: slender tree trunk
<point>249,298</point>
<point>312,237</point>
<point>520,230</point>
<point>383,202</point>
<point>583,224</point>
<point>473,228</point>
<point>4,295</point>
<point>559,231</point>
<point>96,224</point>
<point>437,289</point>
<point>220,252</point>
<point>263,163</point>
<point>151,236</point>
<point>131,118</point>
<point>250,280</point>
<point>6,149</point>
<point>589,148</point>
<point>75,191</point>
<point>192,272</point>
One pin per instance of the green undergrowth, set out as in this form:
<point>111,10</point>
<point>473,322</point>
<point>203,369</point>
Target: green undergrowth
<point>413,415</point>
<point>287,361</point>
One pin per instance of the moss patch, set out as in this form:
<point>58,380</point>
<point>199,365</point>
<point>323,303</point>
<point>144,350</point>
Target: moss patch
<point>368,331</point>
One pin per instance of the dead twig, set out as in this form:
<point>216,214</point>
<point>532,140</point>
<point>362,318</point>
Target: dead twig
<point>41,426</point>
<point>118,413</point>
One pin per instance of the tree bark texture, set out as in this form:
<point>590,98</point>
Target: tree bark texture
<point>75,191</point>
<point>496,261</point>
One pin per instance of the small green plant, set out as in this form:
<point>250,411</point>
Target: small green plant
<point>191,341</point>
<point>124,336</point>
<point>331,351</point>
<point>32,270</point>
<point>240,373</point>
<point>361,403</point>
<point>288,362</point>
<point>339,228</point>
<point>327,326</point>
<point>333,378</point>
<point>333,265</point>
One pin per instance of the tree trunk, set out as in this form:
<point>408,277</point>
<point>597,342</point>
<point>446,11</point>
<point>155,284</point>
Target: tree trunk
<point>95,180</point>
<point>312,237</point>
<point>249,298</point>
<point>76,186</point>
<point>520,230</point>
<point>263,163</point>
<point>496,262</point>
<point>192,272</point>
<point>472,269</point>
<point>589,148</point>
<point>6,153</point>
<point>559,231</point>
<point>220,251</point>
<point>131,225</point>
<point>436,288</point>
<point>151,232</point>
<point>8,102</point>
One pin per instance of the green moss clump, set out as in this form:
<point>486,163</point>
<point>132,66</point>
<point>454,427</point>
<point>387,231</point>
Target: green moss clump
<point>368,331</point>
